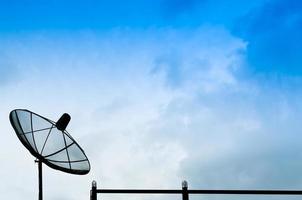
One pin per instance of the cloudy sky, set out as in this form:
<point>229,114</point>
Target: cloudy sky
<point>159,91</point>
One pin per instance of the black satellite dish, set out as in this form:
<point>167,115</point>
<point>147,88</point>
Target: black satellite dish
<point>49,142</point>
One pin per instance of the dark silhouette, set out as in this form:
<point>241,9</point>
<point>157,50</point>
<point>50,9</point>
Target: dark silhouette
<point>185,191</point>
<point>63,122</point>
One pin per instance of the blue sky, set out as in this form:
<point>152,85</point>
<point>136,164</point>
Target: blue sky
<point>108,14</point>
<point>272,28</point>
<point>207,91</point>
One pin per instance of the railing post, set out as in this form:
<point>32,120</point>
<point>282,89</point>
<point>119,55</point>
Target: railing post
<point>93,194</point>
<point>185,194</point>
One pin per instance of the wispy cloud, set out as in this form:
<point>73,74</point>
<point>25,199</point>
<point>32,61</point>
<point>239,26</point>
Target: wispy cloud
<point>168,104</point>
<point>109,84</point>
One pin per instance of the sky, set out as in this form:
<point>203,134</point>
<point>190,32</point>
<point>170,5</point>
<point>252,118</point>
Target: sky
<point>161,91</point>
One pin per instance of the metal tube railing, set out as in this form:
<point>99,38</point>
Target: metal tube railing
<point>185,191</point>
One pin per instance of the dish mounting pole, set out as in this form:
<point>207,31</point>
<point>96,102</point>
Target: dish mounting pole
<point>40,179</point>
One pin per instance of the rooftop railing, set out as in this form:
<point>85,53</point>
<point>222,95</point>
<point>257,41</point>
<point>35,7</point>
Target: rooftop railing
<point>185,192</point>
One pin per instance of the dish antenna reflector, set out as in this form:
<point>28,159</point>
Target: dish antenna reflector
<point>49,142</point>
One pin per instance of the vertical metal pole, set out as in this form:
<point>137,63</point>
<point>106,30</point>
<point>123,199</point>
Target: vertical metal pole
<point>93,194</point>
<point>40,179</point>
<point>185,194</point>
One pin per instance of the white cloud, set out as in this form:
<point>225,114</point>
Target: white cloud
<point>149,107</point>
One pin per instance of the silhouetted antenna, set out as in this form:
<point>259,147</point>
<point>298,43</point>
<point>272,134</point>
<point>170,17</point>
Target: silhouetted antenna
<point>49,142</point>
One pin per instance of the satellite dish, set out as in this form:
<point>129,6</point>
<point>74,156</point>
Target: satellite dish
<point>49,142</point>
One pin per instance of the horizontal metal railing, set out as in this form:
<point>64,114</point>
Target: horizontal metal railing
<point>185,191</point>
